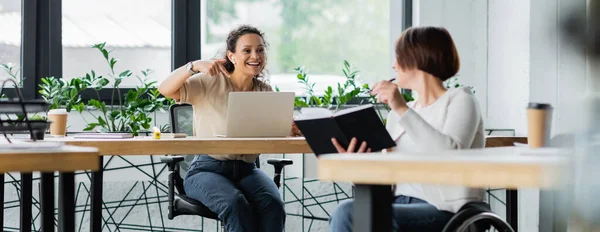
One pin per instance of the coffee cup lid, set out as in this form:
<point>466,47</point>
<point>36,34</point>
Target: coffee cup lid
<point>541,106</point>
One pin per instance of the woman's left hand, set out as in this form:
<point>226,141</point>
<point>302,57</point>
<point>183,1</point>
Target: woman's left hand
<point>353,142</point>
<point>388,93</point>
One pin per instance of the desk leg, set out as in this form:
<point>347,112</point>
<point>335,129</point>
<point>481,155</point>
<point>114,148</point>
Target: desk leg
<point>26,204</point>
<point>47,201</point>
<point>66,205</point>
<point>96,195</point>
<point>512,208</point>
<point>373,208</point>
<point>2,203</point>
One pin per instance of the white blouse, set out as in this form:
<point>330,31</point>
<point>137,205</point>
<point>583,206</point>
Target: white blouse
<point>451,122</point>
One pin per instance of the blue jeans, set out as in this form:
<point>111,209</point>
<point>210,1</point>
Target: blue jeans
<point>408,214</point>
<point>244,197</point>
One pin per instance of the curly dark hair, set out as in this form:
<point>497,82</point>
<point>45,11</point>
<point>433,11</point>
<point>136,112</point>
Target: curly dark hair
<point>233,38</point>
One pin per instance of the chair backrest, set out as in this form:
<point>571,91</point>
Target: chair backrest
<point>182,118</point>
<point>182,121</point>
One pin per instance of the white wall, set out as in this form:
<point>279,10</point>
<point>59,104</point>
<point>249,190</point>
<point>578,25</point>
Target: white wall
<point>558,71</point>
<point>512,53</point>
<point>492,41</point>
<point>79,61</point>
<point>508,64</point>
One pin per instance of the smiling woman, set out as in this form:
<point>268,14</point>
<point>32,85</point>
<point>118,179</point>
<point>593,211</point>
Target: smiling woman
<point>229,185</point>
<point>246,52</point>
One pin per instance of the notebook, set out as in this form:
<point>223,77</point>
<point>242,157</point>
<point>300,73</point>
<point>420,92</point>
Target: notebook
<point>103,135</point>
<point>362,122</point>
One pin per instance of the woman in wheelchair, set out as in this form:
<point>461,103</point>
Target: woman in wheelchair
<point>439,119</point>
<point>231,186</point>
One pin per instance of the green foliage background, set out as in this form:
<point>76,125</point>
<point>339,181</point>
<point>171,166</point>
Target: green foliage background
<point>310,33</point>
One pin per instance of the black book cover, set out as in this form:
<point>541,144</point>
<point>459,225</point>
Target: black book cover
<point>361,122</point>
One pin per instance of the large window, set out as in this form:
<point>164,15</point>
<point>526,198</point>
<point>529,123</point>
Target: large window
<point>319,35</point>
<point>138,32</point>
<point>10,37</point>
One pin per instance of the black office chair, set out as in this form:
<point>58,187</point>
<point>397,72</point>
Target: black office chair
<point>476,217</point>
<point>180,204</point>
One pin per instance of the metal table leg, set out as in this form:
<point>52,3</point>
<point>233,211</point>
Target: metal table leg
<point>66,205</point>
<point>512,208</point>
<point>373,208</point>
<point>47,201</point>
<point>2,203</point>
<point>96,195</point>
<point>26,189</point>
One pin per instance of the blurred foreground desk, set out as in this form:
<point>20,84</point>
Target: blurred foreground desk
<point>373,174</point>
<point>64,159</point>
<point>176,146</point>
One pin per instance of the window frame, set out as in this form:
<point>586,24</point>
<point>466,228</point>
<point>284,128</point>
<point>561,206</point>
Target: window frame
<point>41,47</point>
<point>41,41</point>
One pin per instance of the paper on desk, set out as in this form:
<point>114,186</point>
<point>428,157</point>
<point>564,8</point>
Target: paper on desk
<point>23,144</point>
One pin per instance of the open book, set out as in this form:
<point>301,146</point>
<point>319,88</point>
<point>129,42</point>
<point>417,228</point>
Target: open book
<point>319,125</point>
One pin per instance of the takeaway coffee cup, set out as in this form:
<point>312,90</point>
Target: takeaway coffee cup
<point>539,122</point>
<point>58,117</point>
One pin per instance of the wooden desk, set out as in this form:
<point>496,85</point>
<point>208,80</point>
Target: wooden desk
<point>63,159</point>
<point>176,146</point>
<point>189,146</point>
<point>192,145</point>
<point>195,145</point>
<point>66,160</point>
<point>508,167</point>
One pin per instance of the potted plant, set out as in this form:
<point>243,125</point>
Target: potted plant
<point>127,113</point>
<point>338,97</point>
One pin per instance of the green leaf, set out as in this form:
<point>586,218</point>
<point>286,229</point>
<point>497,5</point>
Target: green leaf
<point>298,102</point>
<point>125,73</point>
<point>113,115</point>
<point>316,100</point>
<point>101,121</point>
<point>79,107</point>
<point>101,83</point>
<point>112,63</point>
<point>73,93</point>
<point>104,53</point>
<point>94,103</point>
<point>149,107</point>
<point>407,97</point>
<point>90,126</point>
<point>117,82</point>
<point>131,96</point>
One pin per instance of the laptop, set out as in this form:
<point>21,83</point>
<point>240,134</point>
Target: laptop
<point>259,114</point>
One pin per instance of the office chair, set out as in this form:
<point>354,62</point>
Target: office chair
<point>181,119</point>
